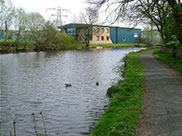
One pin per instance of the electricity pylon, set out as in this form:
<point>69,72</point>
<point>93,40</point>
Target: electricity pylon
<point>60,13</point>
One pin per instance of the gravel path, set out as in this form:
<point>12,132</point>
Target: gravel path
<point>162,99</point>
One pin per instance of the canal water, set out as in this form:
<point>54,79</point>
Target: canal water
<point>34,82</point>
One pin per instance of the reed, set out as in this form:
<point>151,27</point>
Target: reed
<point>34,121</point>
<point>43,121</point>
<point>14,122</point>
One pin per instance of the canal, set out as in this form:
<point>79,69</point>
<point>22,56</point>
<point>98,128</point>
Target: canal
<point>34,82</point>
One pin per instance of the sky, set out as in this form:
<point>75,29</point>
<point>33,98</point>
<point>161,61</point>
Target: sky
<point>43,7</point>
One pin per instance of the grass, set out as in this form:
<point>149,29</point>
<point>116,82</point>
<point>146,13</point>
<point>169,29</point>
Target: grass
<point>174,62</point>
<point>120,45</point>
<point>126,98</point>
<point>67,43</point>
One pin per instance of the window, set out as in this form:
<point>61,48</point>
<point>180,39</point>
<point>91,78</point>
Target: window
<point>107,30</point>
<point>81,30</point>
<point>102,30</point>
<point>136,35</point>
<point>97,30</point>
<point>102,38</point>
<point>124,39</point>
<point>107,38</point>
<point>97,38</point>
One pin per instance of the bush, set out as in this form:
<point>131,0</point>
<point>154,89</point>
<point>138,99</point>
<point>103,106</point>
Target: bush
<point>172,44</point>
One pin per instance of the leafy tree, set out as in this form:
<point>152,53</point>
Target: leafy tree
<point>176,6</point>
<point>50,37</point>
<point>151,36</point>
<point>21,21</point>
<point>35,25</point>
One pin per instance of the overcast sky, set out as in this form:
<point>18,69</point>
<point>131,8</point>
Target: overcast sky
<point>41,6</point>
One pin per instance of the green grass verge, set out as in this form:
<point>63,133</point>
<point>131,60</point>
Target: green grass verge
<point>169,59</point>
<point>119,45</point>
<point>126,98</point>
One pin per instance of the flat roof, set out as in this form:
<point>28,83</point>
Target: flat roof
<point>82,25</point>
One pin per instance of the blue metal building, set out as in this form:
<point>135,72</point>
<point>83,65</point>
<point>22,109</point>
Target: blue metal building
<point>125,35</point>
<point>1,34</point>
<point>117,34</point>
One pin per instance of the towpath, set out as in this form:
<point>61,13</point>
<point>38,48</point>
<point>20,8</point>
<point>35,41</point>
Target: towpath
<point>162,109</point>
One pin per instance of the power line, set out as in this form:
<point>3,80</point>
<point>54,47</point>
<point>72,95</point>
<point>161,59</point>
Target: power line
<point>60,14</point>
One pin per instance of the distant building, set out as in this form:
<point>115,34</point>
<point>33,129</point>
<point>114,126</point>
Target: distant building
<point>1,34</point>
<point>99,34</point>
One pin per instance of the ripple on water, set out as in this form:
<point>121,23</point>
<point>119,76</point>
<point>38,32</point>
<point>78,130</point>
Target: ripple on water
<point>34,82</point>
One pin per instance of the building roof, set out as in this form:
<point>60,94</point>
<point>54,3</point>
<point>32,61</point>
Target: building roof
<point>85,25</point>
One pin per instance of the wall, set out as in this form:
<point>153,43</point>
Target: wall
<point>124,35</point>
<point>105,34</point>
<point>1,34</point>
<point>115,34</point>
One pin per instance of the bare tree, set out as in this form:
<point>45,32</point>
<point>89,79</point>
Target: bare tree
<point>21,21</point>
<point>157,12</point>
<point>88,18</point>
<point>6,14</point>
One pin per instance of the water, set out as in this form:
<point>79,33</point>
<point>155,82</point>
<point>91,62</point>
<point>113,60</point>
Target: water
<point>34,82</point>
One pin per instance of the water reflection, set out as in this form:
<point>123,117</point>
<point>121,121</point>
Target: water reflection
<point>34,82</point>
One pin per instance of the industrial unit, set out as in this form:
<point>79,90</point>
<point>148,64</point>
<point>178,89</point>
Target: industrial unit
<point>1,34</point>
<point>99,34</point>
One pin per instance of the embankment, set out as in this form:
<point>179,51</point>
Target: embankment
<point>126,98</point>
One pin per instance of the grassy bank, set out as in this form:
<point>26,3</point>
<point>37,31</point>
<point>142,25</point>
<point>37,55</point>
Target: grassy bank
<point>66,43</point>
<point>174,62</point>
<point>120,117</point>
<point>119,45</point>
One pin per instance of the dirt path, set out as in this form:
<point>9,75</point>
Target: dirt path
<point>162,99</point>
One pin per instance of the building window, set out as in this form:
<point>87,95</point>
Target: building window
<point>81,30</point>
<point>102,38</point>
<point>102,30</point>
<point>124,39</point>
<point>97,30</point>
<point>97,38</point>
<point>136,35</point>
<point>107,30</point>
<point>107,38</point>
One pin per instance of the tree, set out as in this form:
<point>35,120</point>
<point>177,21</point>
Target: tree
<point>150,36</point>
<point>88,18</point>
<point>6,14</point>
<point>176,6</point>
<point>35,25</point>
<point>157,12</point>
<point>21,21</point>
<point>51,39</point>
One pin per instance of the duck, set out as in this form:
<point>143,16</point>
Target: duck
<point>67,85</point>
<point>97,83</point>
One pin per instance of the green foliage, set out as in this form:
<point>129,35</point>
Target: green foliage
<point>151,36</point>
<point>4,43</point>
<point>112,91</point>
<point>69,42</point>
<point>120,118</point>
<point>170,59</point>
<point>120,45</point>
<point>172,44</point>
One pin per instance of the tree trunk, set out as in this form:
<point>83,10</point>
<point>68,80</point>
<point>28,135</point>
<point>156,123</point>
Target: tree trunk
<point>17,39</point>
